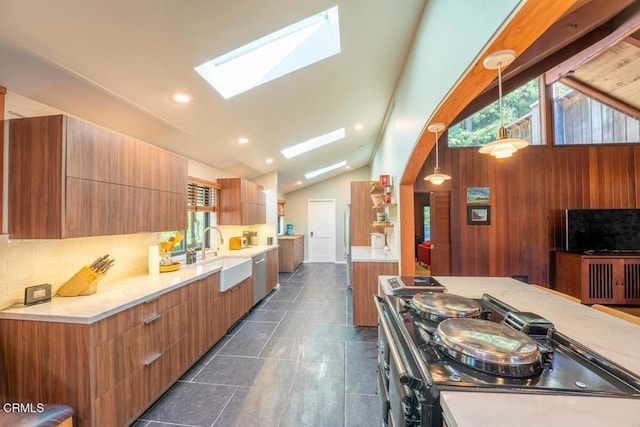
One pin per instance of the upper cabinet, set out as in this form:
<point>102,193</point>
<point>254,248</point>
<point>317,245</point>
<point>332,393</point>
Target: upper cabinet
<point>281,204</point>
<point>241,202</point>
<point>69,178</point>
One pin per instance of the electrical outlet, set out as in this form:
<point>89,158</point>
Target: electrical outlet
<point>37,294</point>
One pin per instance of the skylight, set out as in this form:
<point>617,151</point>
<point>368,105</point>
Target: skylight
<point>282,52</point>
<point>325,169</point>
<point>313,143</point>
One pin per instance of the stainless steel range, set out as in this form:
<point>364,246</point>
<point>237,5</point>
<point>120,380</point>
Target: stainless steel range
<point>434,341</point>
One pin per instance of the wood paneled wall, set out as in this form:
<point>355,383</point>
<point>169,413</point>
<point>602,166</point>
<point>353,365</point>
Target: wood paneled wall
<point>3,92</point>
<point>529,193</point>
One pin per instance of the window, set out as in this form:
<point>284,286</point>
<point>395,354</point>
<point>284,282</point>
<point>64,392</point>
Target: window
<point>426,210</point>
<point>277,54</point>
<point>521,116</point>
<point>580,119</point>
<point>202,205</point>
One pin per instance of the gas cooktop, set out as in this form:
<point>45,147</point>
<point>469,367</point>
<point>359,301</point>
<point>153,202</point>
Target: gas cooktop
<point>500,347</point>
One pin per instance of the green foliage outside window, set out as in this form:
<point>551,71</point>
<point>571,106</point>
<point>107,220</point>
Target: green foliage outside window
<point>482,127</point>
<point>196,223</point>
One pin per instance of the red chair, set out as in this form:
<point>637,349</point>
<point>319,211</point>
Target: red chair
<point>424,253</point>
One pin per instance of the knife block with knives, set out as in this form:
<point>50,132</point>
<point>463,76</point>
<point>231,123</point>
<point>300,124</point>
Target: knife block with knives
<point>85,281</point>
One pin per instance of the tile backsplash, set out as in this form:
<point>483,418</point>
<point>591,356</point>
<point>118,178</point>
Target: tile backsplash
<point>26,263</point>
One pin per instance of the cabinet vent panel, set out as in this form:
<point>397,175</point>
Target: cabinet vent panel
<point>632,281</point>
<point>601,281</point>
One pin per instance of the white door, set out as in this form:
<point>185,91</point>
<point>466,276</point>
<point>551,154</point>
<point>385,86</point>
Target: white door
<point>321,230</point>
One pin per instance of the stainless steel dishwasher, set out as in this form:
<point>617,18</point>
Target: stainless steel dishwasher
<point>259,277</point>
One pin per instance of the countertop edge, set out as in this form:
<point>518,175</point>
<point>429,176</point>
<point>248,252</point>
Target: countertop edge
<point>369,254</point>
<point>156,285</point>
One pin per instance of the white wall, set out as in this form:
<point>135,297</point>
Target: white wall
<point>338,189</point>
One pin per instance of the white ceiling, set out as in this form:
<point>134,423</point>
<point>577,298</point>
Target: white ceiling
<point>117,62</point>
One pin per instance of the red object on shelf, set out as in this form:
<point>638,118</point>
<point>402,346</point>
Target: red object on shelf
<point>424,252</point>
<point>385,180</point>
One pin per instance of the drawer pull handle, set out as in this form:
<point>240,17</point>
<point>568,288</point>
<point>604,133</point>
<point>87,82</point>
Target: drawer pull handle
<point>152,319</point>
<point>153,359</point>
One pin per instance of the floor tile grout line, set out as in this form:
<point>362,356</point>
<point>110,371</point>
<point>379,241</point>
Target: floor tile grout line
<point>225,406</point>
<point>344,417</point>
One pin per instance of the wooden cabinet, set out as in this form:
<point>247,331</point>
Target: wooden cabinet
<point>272,269</point>
<point>241,202</point>
<point>290,252</point>
<point>364,286</point>
<point>207,311</point>
<point>112,370</point>
<point>69,178</point>
<point>281,204</point>
<point>599,279</point>
<point>108,371</point>
<point>238,301</point>
<point>362,214</point>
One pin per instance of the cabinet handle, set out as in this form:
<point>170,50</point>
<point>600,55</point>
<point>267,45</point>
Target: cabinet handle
<point>152,319</point>
<point>153,359</point>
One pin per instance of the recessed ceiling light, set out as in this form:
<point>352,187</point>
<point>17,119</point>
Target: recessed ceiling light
<point>299,182</point>
<point>312,144</point>
<point>325,169</point>
<point>269,160</point>
<point>242,140</point>
<point>181,97</point>
<point>277,54</point>
<point>348,167</point>
<point>358,126</point>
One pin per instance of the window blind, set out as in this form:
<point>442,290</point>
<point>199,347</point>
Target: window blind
<point>202,196</point>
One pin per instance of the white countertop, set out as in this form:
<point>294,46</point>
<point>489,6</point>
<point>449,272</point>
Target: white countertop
<point>368,254</point>
<point>466,409</point>
<point>613,338</point>
<point>116,297</point>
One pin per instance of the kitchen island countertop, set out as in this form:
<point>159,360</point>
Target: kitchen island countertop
<point>613,338</point>
<point>115,297</point>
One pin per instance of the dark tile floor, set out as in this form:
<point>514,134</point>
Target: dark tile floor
<point>295,360</point>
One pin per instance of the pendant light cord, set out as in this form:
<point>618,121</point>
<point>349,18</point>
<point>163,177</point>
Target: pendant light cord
<point>500,91</point>
<point>437,164</point>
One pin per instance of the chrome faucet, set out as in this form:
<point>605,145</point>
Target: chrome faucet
<point>204,233</point>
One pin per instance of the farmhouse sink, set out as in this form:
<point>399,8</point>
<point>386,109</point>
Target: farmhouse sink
<point>235,269</point>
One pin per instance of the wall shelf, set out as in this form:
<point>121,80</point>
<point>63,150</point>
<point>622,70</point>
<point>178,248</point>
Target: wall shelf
<point>385,205</point>
<point>382,224</point>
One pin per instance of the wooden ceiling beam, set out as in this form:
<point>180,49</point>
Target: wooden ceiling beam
<point>567,30</point>
<point>601,96</point>
<point>634,39</point>
<point>626,23</point>
<point>584,26</point>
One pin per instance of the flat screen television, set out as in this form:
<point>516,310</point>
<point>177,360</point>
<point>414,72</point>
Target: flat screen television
<point>602,230</point>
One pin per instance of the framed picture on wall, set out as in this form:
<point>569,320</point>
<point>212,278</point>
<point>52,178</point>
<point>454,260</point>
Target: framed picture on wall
<point>478,215</point>
<point>478,195</point>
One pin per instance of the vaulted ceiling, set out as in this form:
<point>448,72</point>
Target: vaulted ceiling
<point>117,62</point>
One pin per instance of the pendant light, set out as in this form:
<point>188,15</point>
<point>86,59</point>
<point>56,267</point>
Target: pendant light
<point>503,146</point>
<point>436,177</point>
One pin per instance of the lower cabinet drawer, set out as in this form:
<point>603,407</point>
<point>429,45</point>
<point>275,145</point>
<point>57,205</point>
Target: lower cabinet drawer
<point>120,357</point>
<point>121,402</point>
<point>127,399</point>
